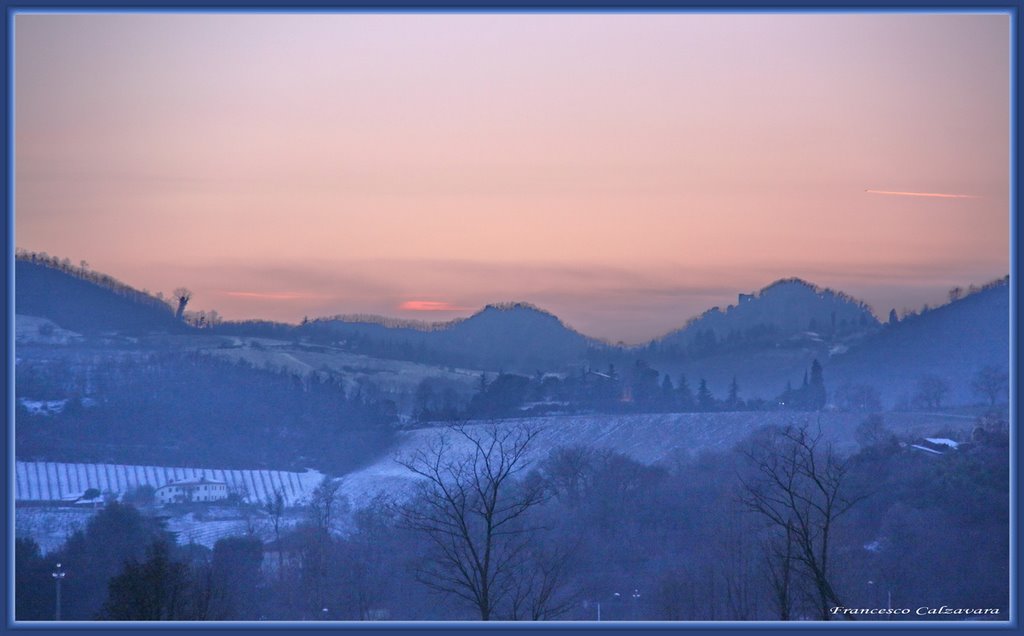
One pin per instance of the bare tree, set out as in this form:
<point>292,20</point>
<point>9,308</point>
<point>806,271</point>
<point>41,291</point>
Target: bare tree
<point>181,295</point>
<point>931,390</point>
<point>736,562</point>
<point>799,491</point>
<point>778,561</point>
<point>275,508</point>
<point>537,592</point>
<point>872,431</point>
<point>324,503</point>
<point>569,470</point>
<point>991,383</point>
<point>474,511</point>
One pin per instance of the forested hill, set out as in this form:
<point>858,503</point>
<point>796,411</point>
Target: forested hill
<point>781,310</point>
<point>83,301</point>
<point>513,337</point>
<point>951,343</point>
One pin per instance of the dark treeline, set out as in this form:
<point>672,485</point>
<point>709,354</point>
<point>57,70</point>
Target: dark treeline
<point>639,389</point>
<point>171,408</point>
<point>582,531</point>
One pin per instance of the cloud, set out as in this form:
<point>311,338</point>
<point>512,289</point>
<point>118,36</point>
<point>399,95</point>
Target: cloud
<point>934,195</point>
<point>430,305</point>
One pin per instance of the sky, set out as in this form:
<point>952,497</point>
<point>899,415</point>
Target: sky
<point>625,172</point>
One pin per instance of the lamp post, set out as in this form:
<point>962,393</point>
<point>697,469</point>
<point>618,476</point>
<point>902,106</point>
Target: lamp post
<point>615,596</point>
<point>636,601</point>
<point>58,576</point>
<point>888,595</point>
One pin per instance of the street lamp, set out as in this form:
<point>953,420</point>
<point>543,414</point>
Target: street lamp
<point>616,596</point>
<point>888,595</point>
<point>636,601</point>
<point>58,576</point>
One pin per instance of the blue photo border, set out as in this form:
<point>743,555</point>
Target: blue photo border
<point>12,8</point>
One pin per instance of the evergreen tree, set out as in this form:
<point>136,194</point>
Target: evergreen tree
<point>788,397</point>
<point>668,393</point>
<point>150,591</point>
<point>816,394</point>
<point>734,395</point>
<point>234,578</point>
<point>483,384</point>
<point>423,402</point>
<point>644,384</point>
<point>35,596</point>
<point>684,396</point>
<point>92,556</point>
<point>705,401</point>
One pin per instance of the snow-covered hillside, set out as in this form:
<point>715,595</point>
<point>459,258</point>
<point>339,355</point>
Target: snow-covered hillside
<point>649,439</point>
<point>55,481</point>
<point>35,330</point>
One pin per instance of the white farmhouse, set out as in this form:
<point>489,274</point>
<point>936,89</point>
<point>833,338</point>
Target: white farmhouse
<point>188,490</point>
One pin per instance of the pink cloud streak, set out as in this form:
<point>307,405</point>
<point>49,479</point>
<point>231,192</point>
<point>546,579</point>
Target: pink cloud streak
<point>430,305</point>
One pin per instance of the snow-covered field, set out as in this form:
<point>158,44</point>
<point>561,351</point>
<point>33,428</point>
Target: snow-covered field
<point>36,330</point>
<point>56,481</point>
<point>390,376</point>
<point>50,526</point>
<point>649,439</point>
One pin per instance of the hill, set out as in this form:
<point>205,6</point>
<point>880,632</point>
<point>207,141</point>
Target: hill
<point>512,337</point>
<point>952,342</point>
<point>82,301</point>
<point>768,339</point>
<point>651,439</point>
<point>785,309</point>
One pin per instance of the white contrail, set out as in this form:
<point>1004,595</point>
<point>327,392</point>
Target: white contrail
<point>937,195</point>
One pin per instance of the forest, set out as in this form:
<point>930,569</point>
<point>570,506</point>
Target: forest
<point>196,409</point>
<point>781,527</point>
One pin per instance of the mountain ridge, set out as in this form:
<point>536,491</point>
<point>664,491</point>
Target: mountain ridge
<point>787,314</point>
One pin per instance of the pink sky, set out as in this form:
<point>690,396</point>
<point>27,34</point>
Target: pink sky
<point>625,172</point>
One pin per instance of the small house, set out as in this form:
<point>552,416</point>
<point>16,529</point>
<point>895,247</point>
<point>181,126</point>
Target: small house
<point>189,490</point>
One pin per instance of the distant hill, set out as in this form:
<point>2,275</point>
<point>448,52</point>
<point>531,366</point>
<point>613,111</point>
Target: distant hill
<point>952,342</point>
<point>786,308</point>
<point>521,337</point>
<point>87,302</point>
<point>766,340</point>
<point>510,337</point>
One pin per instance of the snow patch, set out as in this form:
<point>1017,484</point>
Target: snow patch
<point>942,441</point>
<point>43,407</point>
